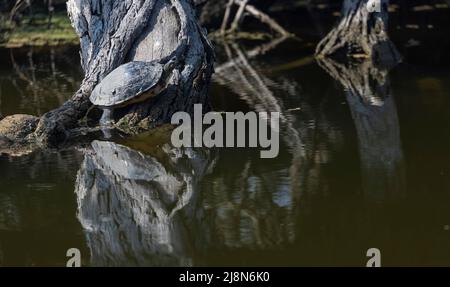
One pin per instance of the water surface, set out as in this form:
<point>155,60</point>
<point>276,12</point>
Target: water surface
<point>356,169</point>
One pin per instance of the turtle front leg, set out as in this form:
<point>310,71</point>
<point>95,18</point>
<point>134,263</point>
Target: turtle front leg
<point>106,119</point>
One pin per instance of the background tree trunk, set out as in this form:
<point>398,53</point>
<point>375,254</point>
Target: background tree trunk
<point>113,32</point>
<point>360,33</point>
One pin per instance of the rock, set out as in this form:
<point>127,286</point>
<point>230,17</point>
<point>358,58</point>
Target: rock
<point>14,132</point>
<point>9,148</point>
<point>4,141</point>
<point>17,127</point>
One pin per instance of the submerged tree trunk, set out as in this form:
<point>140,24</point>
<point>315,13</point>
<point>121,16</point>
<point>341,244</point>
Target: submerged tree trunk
<point>113,32</point>
<point>361,33</point>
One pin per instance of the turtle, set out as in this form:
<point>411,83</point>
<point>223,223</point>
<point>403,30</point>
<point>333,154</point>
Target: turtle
<point>130,83</point>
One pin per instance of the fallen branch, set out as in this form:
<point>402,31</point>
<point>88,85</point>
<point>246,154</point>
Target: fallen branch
<point>251,10</point>
<point>239,14</point>
<point>263,17</point>
<point>226,16</point>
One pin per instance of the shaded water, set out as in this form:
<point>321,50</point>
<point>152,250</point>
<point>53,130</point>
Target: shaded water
<point>358,168</point>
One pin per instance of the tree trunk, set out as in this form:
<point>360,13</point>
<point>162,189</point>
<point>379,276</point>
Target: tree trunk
<point>113,32</point>
<point>361,33</point>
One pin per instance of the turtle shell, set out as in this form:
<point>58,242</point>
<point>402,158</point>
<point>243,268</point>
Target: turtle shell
<point>126,83</point>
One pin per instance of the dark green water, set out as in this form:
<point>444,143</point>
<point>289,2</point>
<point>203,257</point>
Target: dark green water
<point>355,171</point>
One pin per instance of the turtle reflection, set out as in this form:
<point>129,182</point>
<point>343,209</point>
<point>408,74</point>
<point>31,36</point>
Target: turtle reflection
<point>135,209</point>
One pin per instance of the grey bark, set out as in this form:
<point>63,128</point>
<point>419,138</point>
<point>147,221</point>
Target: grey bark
<point>113,32</point>
<point>360,33</point>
